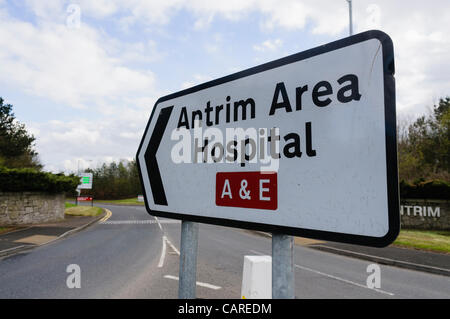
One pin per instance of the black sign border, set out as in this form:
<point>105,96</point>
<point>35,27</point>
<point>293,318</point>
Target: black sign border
<point>390,135</point>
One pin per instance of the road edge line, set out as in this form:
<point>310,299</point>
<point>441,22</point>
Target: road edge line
<point>80,228</point>
<point>198,283</point>
<point>380,260</point>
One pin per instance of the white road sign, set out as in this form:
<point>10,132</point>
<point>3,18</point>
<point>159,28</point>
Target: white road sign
<point>304,145</point>
<point>85,181</point>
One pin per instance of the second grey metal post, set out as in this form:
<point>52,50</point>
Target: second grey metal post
<point>188,260</point>
<point>350,17</point>
<point>283,279</point>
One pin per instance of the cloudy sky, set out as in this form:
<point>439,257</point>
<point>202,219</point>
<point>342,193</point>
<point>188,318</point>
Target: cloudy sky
<point>84,75</point>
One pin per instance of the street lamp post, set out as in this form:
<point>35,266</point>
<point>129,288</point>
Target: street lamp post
<point>350,14</point>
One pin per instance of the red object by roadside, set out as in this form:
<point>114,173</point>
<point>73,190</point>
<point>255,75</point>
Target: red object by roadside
<point>84,198</point>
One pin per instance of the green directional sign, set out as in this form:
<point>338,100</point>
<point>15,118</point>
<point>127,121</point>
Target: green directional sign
<point>85,181</point>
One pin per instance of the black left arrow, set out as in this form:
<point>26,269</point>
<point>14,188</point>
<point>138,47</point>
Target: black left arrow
<point>159,196</point>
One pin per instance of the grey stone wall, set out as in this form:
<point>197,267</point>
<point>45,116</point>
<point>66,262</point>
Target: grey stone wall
<point>425,214</point>
<point>30,208</point>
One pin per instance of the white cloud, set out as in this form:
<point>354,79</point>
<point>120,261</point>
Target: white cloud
<point>268,45</point>
<point>98,8</point>
<point>72,66</point>
<point>203,22</point>
<point>197,79</point>
<point>78,68</point>
<point>49,9</point>
<point>62,144</point>
<point>421,48</point>
<point>215,43</point>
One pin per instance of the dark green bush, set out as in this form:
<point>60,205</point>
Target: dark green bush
<point>115,181</point>
<point>435,189</point>
<point>29,180</point>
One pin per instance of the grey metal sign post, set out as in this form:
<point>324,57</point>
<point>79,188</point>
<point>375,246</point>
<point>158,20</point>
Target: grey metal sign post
<point>188,260</point>
<point>283,278</point>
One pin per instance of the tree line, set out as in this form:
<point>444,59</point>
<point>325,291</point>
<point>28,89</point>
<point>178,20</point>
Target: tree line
<point>424,146</point>
<point>16,144</point>
<point>115,181</point>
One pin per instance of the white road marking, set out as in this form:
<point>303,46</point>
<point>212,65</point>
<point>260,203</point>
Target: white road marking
<point>344,280</point>
<point>386,260</point>
<point>334,277</point>
<point>163,252</point>
<point>201,284</point>
<point>172,246</point>
<point>159,224</point>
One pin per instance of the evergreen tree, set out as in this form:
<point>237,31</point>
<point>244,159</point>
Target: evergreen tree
<point>16,144</point>
<point>424,149</point>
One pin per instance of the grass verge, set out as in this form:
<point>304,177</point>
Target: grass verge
<point>83,211</point>
<point>128,201</point>
<point>437,241</point>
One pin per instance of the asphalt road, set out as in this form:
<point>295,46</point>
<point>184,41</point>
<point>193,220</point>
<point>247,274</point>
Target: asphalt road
<point>123,258</point>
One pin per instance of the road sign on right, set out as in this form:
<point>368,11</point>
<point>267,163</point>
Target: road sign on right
<point>304,145</point>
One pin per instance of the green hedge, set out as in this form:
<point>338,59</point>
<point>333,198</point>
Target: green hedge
<point>29,180</point>
<point>435,189</point>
